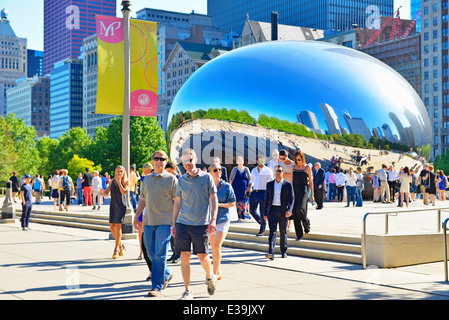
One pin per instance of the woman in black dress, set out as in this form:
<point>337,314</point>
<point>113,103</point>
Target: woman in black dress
<point>431,179</point>
<point>302,180</point>
<point>117,209</point>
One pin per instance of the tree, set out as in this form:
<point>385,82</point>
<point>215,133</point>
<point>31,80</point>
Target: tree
<point>46,148</point>
<point>8,158</point>
<point>23,140</point>
<point>145,137</point>
<point>77,165</point>
<point>73,141</point>
<point>441,162</point>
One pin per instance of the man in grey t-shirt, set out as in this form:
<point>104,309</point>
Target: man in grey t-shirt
<point>157,196</point>
<point>194,218</point>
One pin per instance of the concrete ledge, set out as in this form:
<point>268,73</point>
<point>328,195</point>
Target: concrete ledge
<point>389,251</point>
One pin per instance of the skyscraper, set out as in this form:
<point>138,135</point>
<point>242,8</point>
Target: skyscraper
<point>320,14</point>
<point>13,59</point>
<point>66,97</point>
<point>67,23</point>
<point>331,119</point>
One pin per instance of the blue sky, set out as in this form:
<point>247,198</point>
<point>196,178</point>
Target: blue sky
<point>26,16</point>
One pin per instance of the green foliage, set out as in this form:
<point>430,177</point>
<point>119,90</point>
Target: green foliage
<point>77,165</point>
<point>441,162</point>
<point>46,148</point>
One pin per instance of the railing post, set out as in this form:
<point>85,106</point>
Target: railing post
<point>386,223</point>
<point>439,221</point>
<point>445,249</point>
<point>364,241</point>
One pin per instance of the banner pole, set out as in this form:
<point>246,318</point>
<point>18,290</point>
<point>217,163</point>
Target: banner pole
<point>126,111</point>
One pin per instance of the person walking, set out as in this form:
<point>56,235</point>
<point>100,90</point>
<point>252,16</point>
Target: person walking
<point>87,187</point>
<point>117,209</point>
<point>14,185</point>
<point>239,178</point>
<point>66,187</point>
<point>171,168</point>
<point>49,186</point>
<point>26,197</point>
<point>393,176</point>
<point>302,182</point>
<point>430,179</point>
<point>319,185</point>
<point>278,204</point>
<point>260,176</point>
<point>96,188</point>
<point>158,191</point>
<point>360,185</point>
<point>133,188</point>
<point>226,199</point>
<point>55,189</point>
<point>442,182</point>
<point>147,168</point>
<point>351,184</point>
<point>406,179</point>
<point>79,189</point>
<point>37,188</point>
<point>194,218</point>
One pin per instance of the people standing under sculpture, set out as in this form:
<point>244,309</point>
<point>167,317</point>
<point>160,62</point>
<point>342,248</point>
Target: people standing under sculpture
<point>319,185</point>
<point>393,176</point>
<point>302,182</point>
<point>26,194</point>
<point>226,199</point>
<point>87,187</point>
<point>340,183</point>
<point>194,218</point>
<point>431,187</point>
<point>239,179</point>
<point>422,183</point>
<point>351,185</point>
<point>275,161</point>
<point>360,185</point>
<point>117,209</point>
<point>287,165</point>
<point>278,204</point>
<point>442,182</point>
<point>406,179</point>
<point>383,182</point>
<point>260,176</point>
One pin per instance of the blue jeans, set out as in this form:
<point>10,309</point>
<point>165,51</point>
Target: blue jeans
<point>133,200</point>
<point>156,240</point>
<point>332,191</point>
<point>79,196</point>
<point>359,198</point>
<point>350,192</point>
<point>257,198</point>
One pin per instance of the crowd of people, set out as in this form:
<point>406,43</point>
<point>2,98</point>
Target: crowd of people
<point>192,210</point>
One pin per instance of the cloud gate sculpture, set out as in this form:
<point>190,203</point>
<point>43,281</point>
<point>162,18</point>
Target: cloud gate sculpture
<point>309,88</point>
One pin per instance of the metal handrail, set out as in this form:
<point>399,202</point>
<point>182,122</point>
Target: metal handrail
<point>445,248</point>
<point>386,224</point>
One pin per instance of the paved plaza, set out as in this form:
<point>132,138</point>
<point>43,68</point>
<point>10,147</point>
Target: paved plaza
<point>58,263</point>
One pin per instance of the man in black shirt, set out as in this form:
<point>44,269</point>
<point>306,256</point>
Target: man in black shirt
<point>422,183</point>
<point>14,185</point>
<point>87,187</point>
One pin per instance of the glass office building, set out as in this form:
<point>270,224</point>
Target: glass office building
<point>320,14</point>
<point>66,97</point>
<point>35,63</point>
<point>67,23</point>
<point>415,6</point>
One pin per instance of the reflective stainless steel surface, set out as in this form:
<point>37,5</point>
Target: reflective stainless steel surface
<point>330,89</point>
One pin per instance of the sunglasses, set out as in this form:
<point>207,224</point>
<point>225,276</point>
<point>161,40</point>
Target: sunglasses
<point>217,170</point>
<point>187,161</point>
<point>279,170</point>
<point>161,159</point>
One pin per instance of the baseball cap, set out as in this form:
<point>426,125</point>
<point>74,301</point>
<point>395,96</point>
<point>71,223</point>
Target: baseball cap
<point>27,176</point>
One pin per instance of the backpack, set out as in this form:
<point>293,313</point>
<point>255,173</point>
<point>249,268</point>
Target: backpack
<point>65,183</point>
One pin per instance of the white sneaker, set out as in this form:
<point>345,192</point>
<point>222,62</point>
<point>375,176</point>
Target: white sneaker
<point>187,295</point>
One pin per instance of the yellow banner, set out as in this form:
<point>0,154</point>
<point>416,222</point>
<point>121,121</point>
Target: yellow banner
<point>144,67</point>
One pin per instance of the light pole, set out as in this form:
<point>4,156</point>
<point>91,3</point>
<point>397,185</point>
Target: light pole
<point>127,226</point>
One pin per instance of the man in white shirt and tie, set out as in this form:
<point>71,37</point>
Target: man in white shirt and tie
<point>257,187</point>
